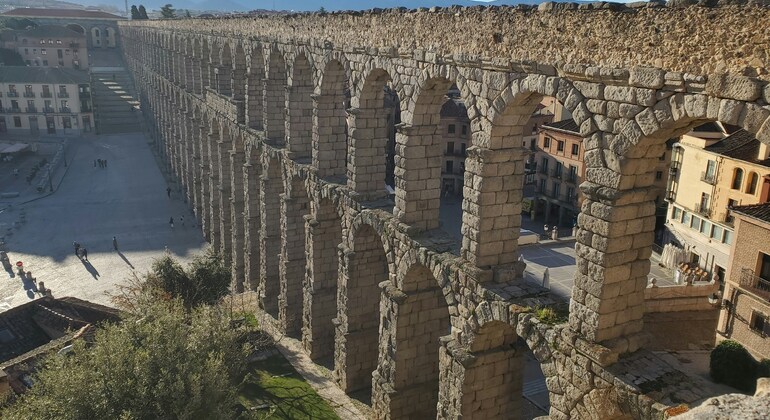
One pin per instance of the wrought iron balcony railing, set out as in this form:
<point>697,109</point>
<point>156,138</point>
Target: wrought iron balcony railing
<point>709,178</point>
<point>755,284</point>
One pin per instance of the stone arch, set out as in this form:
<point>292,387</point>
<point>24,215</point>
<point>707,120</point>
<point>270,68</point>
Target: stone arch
<point>409,364</point>
<point>616,228</point>
<point>737,179</point>
<point>752,183</point>
<point>206,64</point>
<point>224,70</point>
<point>299,124</point>
<point>330,120</point>
<point>238,75</point>
<point>371,121</point>
<point>365,264</point>
<point>77,28</point>
<point>275,98</point>
<point>270,191</point>
<point>294,209</point>
<point>324,237</point>
<point>255,87</point>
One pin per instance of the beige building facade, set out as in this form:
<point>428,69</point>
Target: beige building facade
<point>745,315</point>
<point>49,46</point>
<point>37,101</point>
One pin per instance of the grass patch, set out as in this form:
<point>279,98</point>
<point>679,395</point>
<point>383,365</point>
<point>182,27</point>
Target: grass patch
<point>552,315</point>
<point>273,389</point>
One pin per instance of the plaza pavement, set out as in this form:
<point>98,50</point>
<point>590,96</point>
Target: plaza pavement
<point>91,205</point>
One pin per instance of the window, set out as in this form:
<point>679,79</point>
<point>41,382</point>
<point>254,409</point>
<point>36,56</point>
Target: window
<point>705,227</point>
<point>575,149</point>
<point>570,193</point>
<point>560,146</point>
<point>67,52</point>
<point>26,51</point>
<point>64,105</point>
<point>17,121</point>
<point>12,88</point>
<point>558,170</point>
<point>704,202</point>
<point>556,189</point>
<point>43,51</point>
<point>751,186</point>
<point>676,214</point>
<point>464,130</point>
<point>60,53</point>
<point>573,173</point>
<point>737,178</point>
<point>542,186</point>
<point>546,143</point>
<point>728,238</point>
<point>759,323</point>
<point>716,233</point>
<point>544,165</point>
<point>729,218</point>
<point>451,128</point>
<point>14,104</point>
<point>695,223</point>
<point>462,148</point>
<point>449,167</point>
<point>62,90</point>
<point>50,41</point>
<point>46,90</point>
<point>66,122</point>
<point>686,218</point>
<point>450,147</point>
<point>42,41</point>
<point>58,41</point>
<point>764,266</point>
<point>659,175</point>
<point>28,89</point>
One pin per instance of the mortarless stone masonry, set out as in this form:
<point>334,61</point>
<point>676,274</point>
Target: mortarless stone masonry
<point>278,129</point>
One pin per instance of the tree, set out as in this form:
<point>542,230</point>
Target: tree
<point>206,280</point>
<point>187,13</point>
<point>167,12</point>
<point>142,12</point>
<point>730,363</point>
<point>135,15</point>
<point>163,362</point>
<point>322,11</point>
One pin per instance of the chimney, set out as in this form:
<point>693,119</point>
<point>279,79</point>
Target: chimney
<point>764,151</point>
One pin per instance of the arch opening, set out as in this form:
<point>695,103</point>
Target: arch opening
<point>300,110</point>
<point>330,125</point>
<point>294,208</point>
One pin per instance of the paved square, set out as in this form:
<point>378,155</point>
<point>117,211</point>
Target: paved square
<point>91,205</point>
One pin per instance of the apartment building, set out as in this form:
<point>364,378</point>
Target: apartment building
<point>49,46</point>
<point>37,101</point>
<point>745,315</point>
<point>713,168</point>
<point>456,133</point>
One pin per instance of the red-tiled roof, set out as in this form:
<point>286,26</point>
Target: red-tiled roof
<point>63,13</point>
<point>756,211</point>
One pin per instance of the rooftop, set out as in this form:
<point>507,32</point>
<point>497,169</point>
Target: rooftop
<point>454,108</point>
<point>565,126</point>
<point>759,212</point>
<point>61,13</point>
<point>23,74</point>
<point>740,145</point>
<point>51,31</point>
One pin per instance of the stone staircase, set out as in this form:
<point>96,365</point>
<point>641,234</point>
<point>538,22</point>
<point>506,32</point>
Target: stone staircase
<point>115,105</point>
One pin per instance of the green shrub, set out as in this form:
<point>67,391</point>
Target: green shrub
<point>731,364</point>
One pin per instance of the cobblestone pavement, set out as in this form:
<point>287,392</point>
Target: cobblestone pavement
<point>91,205</point>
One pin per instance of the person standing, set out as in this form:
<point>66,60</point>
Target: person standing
<point>171,222</point>
<point>76,245</point>
<point>85,254</point>
<point>181,219</point>
<point>115,243</point>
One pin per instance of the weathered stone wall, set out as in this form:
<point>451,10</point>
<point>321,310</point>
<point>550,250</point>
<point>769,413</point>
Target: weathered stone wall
<point>697,40</point>
<point>471,305</point>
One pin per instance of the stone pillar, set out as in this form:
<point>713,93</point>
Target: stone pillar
<point>274,103</point>
<point>418,176</point>
<point>270,189</point>
<point>214,193</point>
<point>368,139</point>
<point>323,236</point>
<point>254,94</point>
<point>238,214</point>
<point>614,238</point>
<point>492,194</point>
<point>225,204</point>
<point>238,83</point>
<point>251,219</point>
<point>200,158</point>
<point>329,136</point>
<point>292,268</point>
<point>189,80</point>
<point>299,121</point>
<point>197,73</point>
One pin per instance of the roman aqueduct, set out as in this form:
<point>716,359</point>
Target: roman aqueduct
<point>277,130</point>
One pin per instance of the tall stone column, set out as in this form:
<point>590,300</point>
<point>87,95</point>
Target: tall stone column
<point>329,136</point>
<point>368,139</point>
<point>418,176</point>
<point>274,103</point>
<point>224,80</point>
<point>198,184</point>
<point>197,73</point>
<point>251,218</point>
<point>615,233</point>
<point>270,189</point>
<point>238,214</point>
<point>225,204</point>
<point>238,83</point>
<point>254,98</point>
<point>294,207</point>
<point>189,80</point>
<point>214,192</point>
<point>299,120</point>
<point>492,195</point>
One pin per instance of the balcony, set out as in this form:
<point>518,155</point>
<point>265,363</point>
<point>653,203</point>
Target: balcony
<point>30,110</point>
<point>65,110</point>
<point>557,174</point>
<point>48,109</point>
<point>14,110</point>
<point>29,94</point>
<point>673,169</point>
<point>702,208</point>
<point>64,95</point>
<point>46,95</point>
<point>13,94</point>
<point>671,196</point>
<point>708,178</point>
<point>755,284</point>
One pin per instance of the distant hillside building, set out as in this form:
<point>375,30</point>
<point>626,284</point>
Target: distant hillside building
<point>100,28</point>
<point>48,46</point>
<point>44,101</point>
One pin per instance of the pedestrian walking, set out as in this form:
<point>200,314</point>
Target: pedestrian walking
<point>171,222</point>
<point>181,220</point>
<point>168,192</point>
<point>85,254</point>
<point>100,163</point>
<point>105,163</point>
<point>115,243</point>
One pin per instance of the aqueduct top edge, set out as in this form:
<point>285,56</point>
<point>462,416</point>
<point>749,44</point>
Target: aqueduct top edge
<point>695,40</point>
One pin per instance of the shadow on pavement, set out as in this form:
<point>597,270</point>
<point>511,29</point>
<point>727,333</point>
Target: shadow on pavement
<point>126,260</point>
<point>91,269</point>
